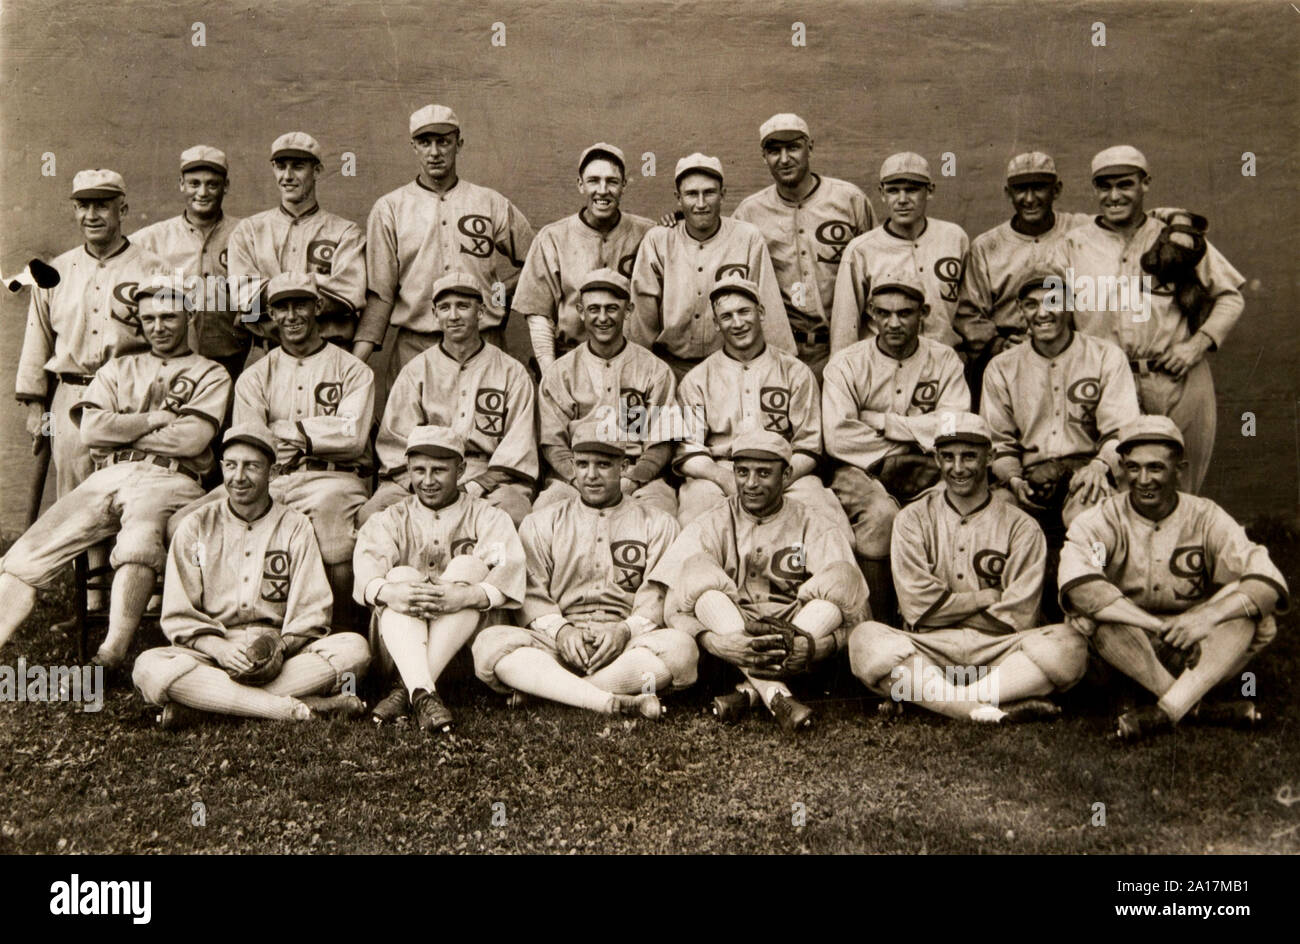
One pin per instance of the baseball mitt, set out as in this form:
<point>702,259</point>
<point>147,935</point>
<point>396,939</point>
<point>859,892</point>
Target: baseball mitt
<point>266,652</point>
<point>798,645</point>
<point>1048,482</point>
<point>1172,262</point>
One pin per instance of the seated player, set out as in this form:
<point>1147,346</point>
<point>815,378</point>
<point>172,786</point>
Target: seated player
<point>148,420</point>
<point>882,400</point>
<point>764,582</point>
<point>246,607</point>
<point>1168,586</point>
<point>475,388</point>
<point>620,384</point>
<point>969,573</point>
<point>594,634</point>
<point>431,565</point>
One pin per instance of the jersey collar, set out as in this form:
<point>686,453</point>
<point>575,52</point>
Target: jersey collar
<point>967,514</point>
<point>900,360</point>
<point>1178,500</point>
<point>582,218</point>
<point>441,193</point>
<point>1061,353</point>
<point>608,360</point>
<point>303,215</point>
<point>817,185</point>
<point>126,244</point>
<point>906,239</point>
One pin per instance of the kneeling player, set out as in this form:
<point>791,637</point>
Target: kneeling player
<point>764,581</point>
<point>246,606</point>
<point>969,571</point>
<point>595,636</point>
<point>1165,582</point>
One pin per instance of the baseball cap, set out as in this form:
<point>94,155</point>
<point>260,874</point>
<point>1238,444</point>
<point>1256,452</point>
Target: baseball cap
<point>905,165</point>
<point>785,126</point>
<point>601,149</point>
<point>1031,166</point>
<point>901,281</point>
<point>437,118</point>
<point>97,184</point>
<point>462,283</point>
<point>963,427</point>
<point>1041,279</point>
<point>296,144</point>
<point>291,285</point>
<point>161,292</point>
<point>1150,429</point>
<point>590,436</point>
<point>609,279</point>
<point>1120,159</point>
<point>735,282</point>
<point>252,434</point>
<point>761,444</point>
<point>698,162</point>
<point>201,156</point>
<point>439,441</point>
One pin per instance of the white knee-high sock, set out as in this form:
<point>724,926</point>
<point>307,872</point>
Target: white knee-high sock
<point>538,673</point>
<point>634,671</point>
<point>19,599</point>
<point>447,636</point>
<point>132,585</point>
<point>305,673</point>
<point>1220,652</point>
<point>1017,677</point>
<point>716,611</point>
<point>407,640</point>
<point>211,689</point>
<point>817,618</point>
<point>1129,649</point>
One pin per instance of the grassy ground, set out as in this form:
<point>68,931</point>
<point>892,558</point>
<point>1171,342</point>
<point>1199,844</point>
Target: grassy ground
<point>567,781</point>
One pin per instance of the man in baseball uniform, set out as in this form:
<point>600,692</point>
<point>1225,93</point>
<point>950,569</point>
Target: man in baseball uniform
<point>75,327</point>
<point>1002,258</point>
<point>147,419</point>
<point>431,566</point>
<point>908,241</point>
<point>763,553</point>
<point>677,265</point>
<point>1169,588</point>
<point>425,230</point>
<point>239,570</point>
<point>882,401</point>
<point>1115,298</point>
<point>599,236</point>
<point>475,388</point>
<point>621,385</point>
<point>807,220</point>
<point>748,384</point>
<point>193,245</point>
<point>594,634</point>
<point>969,572</point>
<point>299,237</point>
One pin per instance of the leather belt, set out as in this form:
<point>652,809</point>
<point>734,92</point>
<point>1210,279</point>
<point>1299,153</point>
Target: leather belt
<point>171,465</point>
<point>1146,366</point>
<point>80,380</point>
<point>820,336</point>
<point>316,465</point>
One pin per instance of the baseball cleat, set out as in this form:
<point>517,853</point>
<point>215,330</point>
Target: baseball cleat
<point>1137,723</point>
<point>731,707</point>
<point>791,715</point>
<point>1029,709</point>
<point>518,700</point>
<point>1240,713</point>
<point>889,709</point>
<point>176,716</point>
<point>647,705</point>
<point>334,706</point>
<point>430,712</point>
<point>392,708</point>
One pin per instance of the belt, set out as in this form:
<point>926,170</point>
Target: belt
<point>171,465</point>
<point>316,465</point>
<point>819,336</point>
<point>1146,366</point>
<point>80,380</point>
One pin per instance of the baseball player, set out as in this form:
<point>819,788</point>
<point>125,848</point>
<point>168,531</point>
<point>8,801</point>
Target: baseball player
<point>599,236</point>
<point>1002,258</point>
<point>425,230</point>
<point>882,401</point>
<point>763,554</point>
<point>193,245</point>
<point>478,390</point>
<point>1168,586</point>
<point>617,383</point>
<point>748,384</point>
<point>246,608</point>
<point>1165,343</point>
<point>807,220</point>
<point>317,400</point>
<point>431,566</point>
<point>593,634</point>
<point>299,237</point>
<point>969,572</point>
<point>908,241</point>
<point>147,419</point>
<point>677,265</point>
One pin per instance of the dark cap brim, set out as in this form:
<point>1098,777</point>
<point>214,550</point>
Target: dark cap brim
<point>909,290</point>
<point>975,439</point>
<point>458,290</point>
<point>618,290</point>
<point>257,444</point>
<point>757,454</point>
<point>606,448</point>
<point>204,165</point>
<point>98,193</point>
<point>433,451</point>
<point>295,152</point>
<point>1033,177</point>
<point>290,293</point>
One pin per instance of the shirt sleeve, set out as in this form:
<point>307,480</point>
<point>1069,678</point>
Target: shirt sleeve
<point>537,541</point>
<point>805,412</point>
<point>247,281</point>
<point>997,409</point>
<point>1224,283</point>
<point>513,240</point>
<point>497,545</point>
<point>695,425</point>
<point>645,322</point>
<point>307,611</point>
<point>403,412</point>
<point>1237,557</point>
<point>776,323</point>
<point>182,618</point>
<point>848,438</point>
<point>975,300</point>
<point>32,383</point>
<point>1090,545</point>
<point>1118,405</point>
<point>648,604</point>
<point>375,554</point>
<point>345,434</point>
<point>250,397</point>
<point>539,291</point>
<point>850,298</point>
<point>346,283</point>
<point>517,451</point>
<point>954,397</point>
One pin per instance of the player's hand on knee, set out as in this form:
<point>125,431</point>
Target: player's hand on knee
<point>1024,494</point>
<point>1091,483</point>
<point>1186,630</point>
<point>762,653</point>
<point>572,647</point>
<point>409,599</point>
<point>610,640</point>
<point>229,655</point>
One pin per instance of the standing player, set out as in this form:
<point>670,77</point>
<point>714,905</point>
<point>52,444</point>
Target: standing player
<point>1001,259</point>
<point>478,390</point>
<point>908,241</point>
<point>677,265</point>
<point>969,572</point>
<point>244,577</point>
<point>757,555</point>
<point>299,237</point>
<point>599,236</point>
<point>147,420</point>
<point>425,230</point>
<point>431,566</point>
<point>883,399</point>
<point>621,385</point>
<point>193,245</point>
<point>594,634</point>
<point>807,220</point>
<point>1165,345</point>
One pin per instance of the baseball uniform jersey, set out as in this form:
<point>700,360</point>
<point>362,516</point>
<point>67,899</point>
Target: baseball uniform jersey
<point>674,274</point>
<point>936,257</point>
<point>912,393</point>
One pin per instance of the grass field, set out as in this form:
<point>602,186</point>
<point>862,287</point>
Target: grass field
<point>559,780</point>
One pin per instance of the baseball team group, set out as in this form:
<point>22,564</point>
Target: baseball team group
<point>770,439</point>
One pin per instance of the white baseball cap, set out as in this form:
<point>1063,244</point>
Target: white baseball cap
<point>788,126</point>
<point>1031,166</point>
<point>964,427</point>
<point>201,156</point>
<point>903,280</point>
<point>1120,159</point>
<point>97,184</point>
<point>905,165</point>
<point>437,118</point>
<point>291,285</point>
<point>296,144</point>
<point>698,162</point>
<point>602,149</point>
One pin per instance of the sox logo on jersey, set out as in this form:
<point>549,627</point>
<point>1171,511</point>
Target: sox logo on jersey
<point>328,394</point>
<point>1189,564</point>
<point>490,411</point>
<point>835,234</point>
<point>1086,392</point>
<point>320,255</point>
<point>775,404</point>
<point>926,395</point>
<point>989,566</point>
<point>731,268</point>
<point>125,292</point>
<point>275,576</point>
<point>629,563</point>
<point>179,392</point>
<point>948,271</point>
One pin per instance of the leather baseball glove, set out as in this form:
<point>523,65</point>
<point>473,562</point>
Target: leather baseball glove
<point>266,652</point>
<point>799,646</point>
<point>1172,262</point>
<point>1047,482</point>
